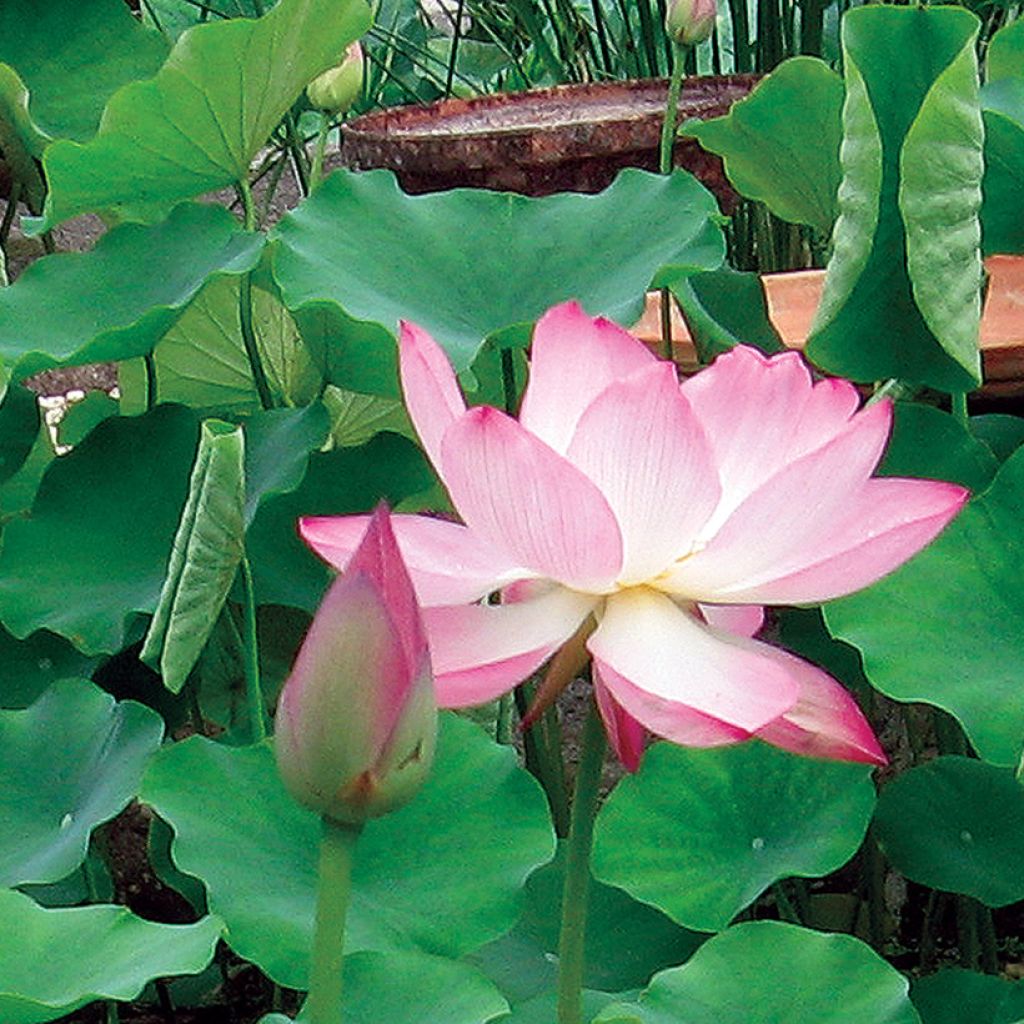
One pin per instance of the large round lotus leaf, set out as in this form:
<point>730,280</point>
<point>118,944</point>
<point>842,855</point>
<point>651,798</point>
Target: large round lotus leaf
<point>956,824</point>
<point>96,545</point>
<point>781,143</point>
<point>443,875</point>
<point>75,308</point>
<point>627,941</point>
<point>71,55</point>
<point>930,444</point>
<point>338,482</point>
<point>472,261</point>
<point>69,762</point>
<point>906,265</point>
<point>204,115</point>
<point>962,997</point>
<point>766,972</point>
<point>53,961</point>
<point>947,627</point>
<point>544,1008</point>
<point>412,988</point>
<point>29,666</point>
<point>701,833</point>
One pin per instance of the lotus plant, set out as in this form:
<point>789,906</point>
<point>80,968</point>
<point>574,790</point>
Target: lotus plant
<point>355,727</point>
<point>644,525</point>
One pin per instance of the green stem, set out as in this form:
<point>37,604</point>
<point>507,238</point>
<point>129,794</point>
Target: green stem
<point>317,170</point>
<point>337,847</point>
<point>959,404</point>
<point>252,350</point>
<point>453,55</point>
<point>150,364</point>
<point>542,750</point>
<point>668,126</point>
<point>251,659</point>
<point>572,938</point>
<point>666,323</point>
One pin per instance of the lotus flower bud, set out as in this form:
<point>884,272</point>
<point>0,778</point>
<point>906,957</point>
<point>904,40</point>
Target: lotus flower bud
<point>689,22</point>
<point>357,719</point>
<point>338,88</point>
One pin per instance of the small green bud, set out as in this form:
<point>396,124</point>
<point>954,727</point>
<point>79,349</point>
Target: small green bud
<point>689,22</point>
<point>339,87</point>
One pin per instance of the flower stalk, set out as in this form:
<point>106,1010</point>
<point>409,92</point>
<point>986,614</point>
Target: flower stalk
<point>572,937</point>
<point>326,983</point>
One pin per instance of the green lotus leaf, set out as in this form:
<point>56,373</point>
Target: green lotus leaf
<point>956,824</point>
<point>54,961</point>
<point>781,143</point>
<point>339,482</point>
<point>207,551</point>
<point>507,258</point>
<point>906,268</point>
<point>766,972</point>
<point>961,600</point>
<point>443,875</point>
<point>75,308</point>
<point>955,996</point>
<point>700,833</point>
<point>197,124</point>
<point>71,761</point>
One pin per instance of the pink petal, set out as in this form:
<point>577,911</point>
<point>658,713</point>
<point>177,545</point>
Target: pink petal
<point>667,718</point>
<point>885,524</point>
<point>480,651</point>
<point>431,391</point>
<point>667,653</point>
<point>787,520</point>
<point>377,558</point>
<point>640,443</point>
<point>535,508</point>
<point>626,736</point>
<point>447,564</point>
<point>826,721</point>
<point>738,619</point>
<point>572,360</point>
<point>763,413</point>
<point>888,523</point>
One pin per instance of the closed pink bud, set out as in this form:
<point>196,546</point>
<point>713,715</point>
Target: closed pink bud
<point>689,22</point>
<point>357,720</point>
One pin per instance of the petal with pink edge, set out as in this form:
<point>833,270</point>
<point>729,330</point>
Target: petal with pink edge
<point>480,651</point>
<point>825,722</point>
<point>379,559</point>
<point>738,619</point>
<point>643,447</point>
<point>626,736</point>
<point>447,564</point>
<point>665,718</point>
<point>786,520</point>
<point>763,413</point>
<point>668,654</point>
<point>573,358</point>
<point>431,391</point>
<point>888,522</point>
<point>536,509</point>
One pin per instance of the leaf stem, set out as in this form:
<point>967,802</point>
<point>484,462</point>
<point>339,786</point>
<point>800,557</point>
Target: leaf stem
<point>572,937</point>
<point>252,350</point>
<point>251,659</point>
<point>337,849</point>
<point>668,126</point>
<point>317,170</point>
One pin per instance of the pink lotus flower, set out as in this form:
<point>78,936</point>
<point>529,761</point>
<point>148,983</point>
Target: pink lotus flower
<point>652,522</point>
<point>356,721</point>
